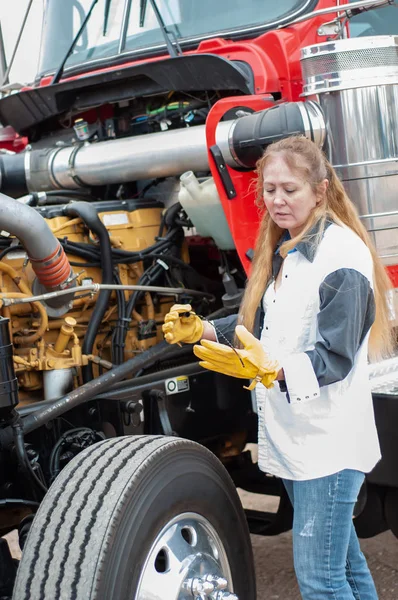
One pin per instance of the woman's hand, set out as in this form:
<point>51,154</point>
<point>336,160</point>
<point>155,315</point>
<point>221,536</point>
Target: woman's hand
<point>181,324</point>
<point>251,362</point>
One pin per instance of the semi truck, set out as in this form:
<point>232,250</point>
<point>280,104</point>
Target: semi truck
<point>127,171</point>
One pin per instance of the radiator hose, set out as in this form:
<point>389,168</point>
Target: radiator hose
<point>47,257</point>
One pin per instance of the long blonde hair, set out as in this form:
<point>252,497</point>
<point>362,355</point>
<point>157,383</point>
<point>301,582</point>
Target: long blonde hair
<point>305,157</point>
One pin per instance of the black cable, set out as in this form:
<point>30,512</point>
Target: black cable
<point>74,193</point>
<point>10,249</point>
<point>87,265</point>
<point>82,251</point>
<point>118,256</point>
<point>54,461</point>
<point>117,336</point>
<point>172,259</point>
<point>87,250</point>
<point>168,217</point>
<point>92,253</point>
<point>89,215</point>
<point>24,461</point>
<point>171,214</point>
<point>147,278</point>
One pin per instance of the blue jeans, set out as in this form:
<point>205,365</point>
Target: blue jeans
<point>327,558</point>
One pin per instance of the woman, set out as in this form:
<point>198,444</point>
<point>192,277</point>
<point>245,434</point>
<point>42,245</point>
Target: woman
<point>322,293</point>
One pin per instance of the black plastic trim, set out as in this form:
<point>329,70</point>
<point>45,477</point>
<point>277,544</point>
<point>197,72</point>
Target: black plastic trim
<point>192,73</point>
<point>385,472</point>
<point>223,171</point>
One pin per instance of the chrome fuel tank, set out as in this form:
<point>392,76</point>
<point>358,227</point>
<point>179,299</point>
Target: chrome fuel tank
<point>355,82</point>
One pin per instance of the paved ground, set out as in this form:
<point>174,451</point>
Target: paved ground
<point>275,575</point>
<point>274,565</point>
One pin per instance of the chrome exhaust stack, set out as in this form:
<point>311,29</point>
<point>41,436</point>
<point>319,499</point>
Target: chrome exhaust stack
<point>355,82</point>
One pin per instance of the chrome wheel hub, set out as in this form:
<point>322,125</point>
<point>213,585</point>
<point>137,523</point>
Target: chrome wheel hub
<point>186,561</point>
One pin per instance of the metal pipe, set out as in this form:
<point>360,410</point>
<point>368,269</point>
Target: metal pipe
<point>86,392</point>
<point>161,154</point>
<point>57,383</point>
<point>124,388</point>
<point>128,159</point>
<point>46,255</point>
<point>28,226</point>
<point>8,299</point>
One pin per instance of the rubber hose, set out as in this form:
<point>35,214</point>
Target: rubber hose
<point>89,215</point>
<point>171,214</point>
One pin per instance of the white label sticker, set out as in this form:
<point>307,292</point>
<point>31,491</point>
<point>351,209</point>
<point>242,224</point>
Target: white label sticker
<point>176,385</point>
<point>115,219</point>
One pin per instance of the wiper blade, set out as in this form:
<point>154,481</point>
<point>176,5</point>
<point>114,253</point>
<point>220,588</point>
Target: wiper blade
<point>107,10</point>
<point>174,51</point>
<point>60,70</point>
<point>143,4</point>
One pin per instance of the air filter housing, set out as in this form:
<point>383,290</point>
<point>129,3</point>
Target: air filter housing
<point>350,63</point>
<point>355,82</point>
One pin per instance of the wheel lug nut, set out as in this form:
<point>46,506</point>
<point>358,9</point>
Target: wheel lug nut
<point>200,586</point>
<point>207,587</point>
<point>220,583</point>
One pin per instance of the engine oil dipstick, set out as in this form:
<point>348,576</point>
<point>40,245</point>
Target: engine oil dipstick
<point>219,334</point>
<point>66,332</point>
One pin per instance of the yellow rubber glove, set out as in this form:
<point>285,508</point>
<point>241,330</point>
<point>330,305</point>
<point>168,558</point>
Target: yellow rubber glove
<point>180,327</point>
<point>251,362</point>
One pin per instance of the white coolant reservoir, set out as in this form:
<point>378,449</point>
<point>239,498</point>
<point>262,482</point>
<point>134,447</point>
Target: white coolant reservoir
<point>201,202</point>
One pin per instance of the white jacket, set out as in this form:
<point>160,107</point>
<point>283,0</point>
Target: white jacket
<point>317,326</point>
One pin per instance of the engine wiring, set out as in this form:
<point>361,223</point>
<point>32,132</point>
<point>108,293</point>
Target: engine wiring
<point>163,272</point>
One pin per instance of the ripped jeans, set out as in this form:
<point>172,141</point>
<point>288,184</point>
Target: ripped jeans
<point>327,558</point>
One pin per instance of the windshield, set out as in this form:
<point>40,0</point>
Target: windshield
<point>188,20</point>
<point>383,21</point>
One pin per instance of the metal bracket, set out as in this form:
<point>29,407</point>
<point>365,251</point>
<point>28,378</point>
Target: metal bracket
<point>335,28</point>
<point>160,398</point>
<point>223,171</point>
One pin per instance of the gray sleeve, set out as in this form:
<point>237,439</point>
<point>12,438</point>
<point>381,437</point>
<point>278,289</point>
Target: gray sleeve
<point>347,312</point>
<point>225,328</point>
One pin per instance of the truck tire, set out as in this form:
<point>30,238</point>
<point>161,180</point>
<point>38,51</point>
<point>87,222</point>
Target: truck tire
<point>138,518</point>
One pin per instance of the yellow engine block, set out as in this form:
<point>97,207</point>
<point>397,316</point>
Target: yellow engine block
<point>42,343</point>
